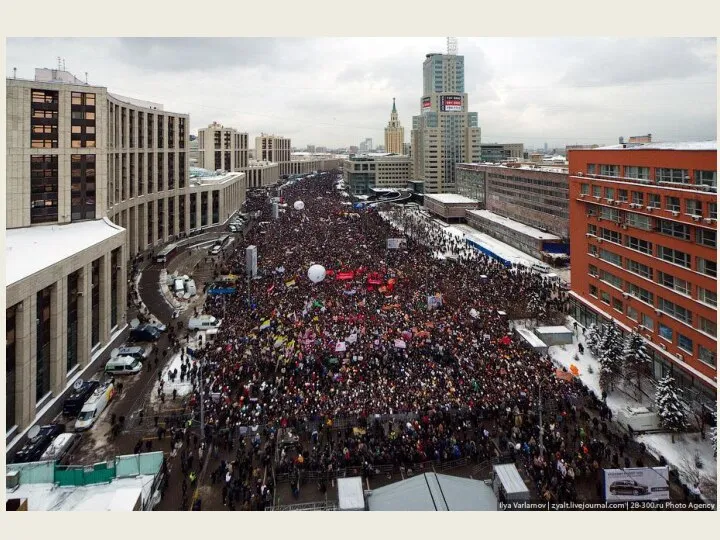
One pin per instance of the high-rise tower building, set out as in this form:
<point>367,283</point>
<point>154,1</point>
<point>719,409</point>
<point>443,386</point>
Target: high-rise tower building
<point>445,133</point>
<point>394,133</point>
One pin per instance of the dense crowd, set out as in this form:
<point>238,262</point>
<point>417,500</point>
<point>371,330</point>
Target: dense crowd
<point>419,335</point>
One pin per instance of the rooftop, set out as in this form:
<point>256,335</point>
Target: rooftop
<point>450,198</point>
<point>697,146</point>
<point>200,176</point>
<point>539,167</point>
<point>29,250</point>
<point>514,225</point>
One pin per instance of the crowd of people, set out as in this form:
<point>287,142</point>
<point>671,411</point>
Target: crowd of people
<point>418,336</point>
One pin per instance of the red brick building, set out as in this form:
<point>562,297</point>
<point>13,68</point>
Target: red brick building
<point>643,222</point>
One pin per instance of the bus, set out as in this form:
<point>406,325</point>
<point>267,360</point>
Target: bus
<point>223,240</point>
<point>166,253</point>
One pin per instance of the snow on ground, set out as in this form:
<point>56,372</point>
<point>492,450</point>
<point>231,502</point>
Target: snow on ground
<point>183,388</point>
<point>680,455</point>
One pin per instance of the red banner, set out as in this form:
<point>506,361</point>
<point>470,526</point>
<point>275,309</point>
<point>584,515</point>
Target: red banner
<point>346,275</point>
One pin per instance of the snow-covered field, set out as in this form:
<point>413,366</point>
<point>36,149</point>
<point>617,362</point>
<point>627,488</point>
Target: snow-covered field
<point>183,388</point>
<point>680,455</point>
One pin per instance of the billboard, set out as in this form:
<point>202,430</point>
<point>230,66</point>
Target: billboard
<point>451,103</point>
<point>426,104</point>
<point>637,484</point>
<point>251,261</point>
<point>396,243</point>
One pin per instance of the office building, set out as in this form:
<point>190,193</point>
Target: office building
<point>272,148</point>
<point>366,146</point>
<point>93,178</point>
<point>222,148</point>
<point>445,133</point>
<point>495,152</point>
<point>260,174</point>
<point>362,173</point>
<point>532,194</point>
<point>643,237</point>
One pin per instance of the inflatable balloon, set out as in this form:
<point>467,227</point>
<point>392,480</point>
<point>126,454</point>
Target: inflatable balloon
<point>316,273</point>
<point>299,205</point>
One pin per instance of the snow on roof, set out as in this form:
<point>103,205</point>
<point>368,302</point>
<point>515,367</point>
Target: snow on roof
<point>552,330</point>
<point>450,198</point>
<point>510,478</point>
<point>97,497</point>
<point>531,338</point>
<point>527,230</point>
<point>350,493</point>
<point>698,145</point>
<point>501,249</point>
<point>29,250</point>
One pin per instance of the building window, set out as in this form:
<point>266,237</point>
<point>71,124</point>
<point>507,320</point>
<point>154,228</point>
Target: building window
<point>640,293</point>
<point>150,221</point>
<point>593,270</point>
<point>672,204</point>
<point>150,130</point>
<point>706,237</point>
<point>216,206</point>
<point>674,256</point>
<point>639,221</point>
<point>707,297</point>
<point>203,208</point>
<point>677,230</point>
<point>609,213</point>
<point>679,176</point>
<point>72,320</point>
<point>161,131</point>
<point>706,355</point>
<point>671,282</point>
<point>640,269</point>
<point>181,170</point>
<point>82,186</point>
<point>609,193</point>
<point>609,170</point>
<point>707,326</point>
<point>181,132</point>
<point>161,171</point>
<point>617,305</point>
<point>114,275</point>
<point>596,191</point>
<point>709,268</point>
<point>640,173</point>
<point>181,213</point>
<point>593,291</point>
<point>712,210</point>
<point>665,332</point>
<point>43,188</point>
<point>585,189</point>
<point>685,343</point>
<point>623,195</point>
<point>611,236</point>
<point>653,200</point>
<point>604,297</point>
<point>10,350</point>
<point>161,218</point>
<point>95,284</point>
<point>171,170</point>
<point>643,246</point>
<point>632,313</point>
<point>611,279</point>
<point>674,310</point>
<point>638,197</point>
<point>42,383</point>
<point>648,322</point>
<point>693,207</point>
<point>44,119</point>
<point>706,178</point>
<point>82,119</point>
<point>171,216</point>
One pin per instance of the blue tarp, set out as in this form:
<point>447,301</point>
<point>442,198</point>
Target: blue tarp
<point>553,247</point>
<point>489,253</point>
<point>221,290</point>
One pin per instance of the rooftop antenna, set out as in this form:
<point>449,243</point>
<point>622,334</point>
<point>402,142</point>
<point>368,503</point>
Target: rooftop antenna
<point>59,64</point>
<point>452,46</point>
<point>86,77</point>
<point>63,64</point>
<point>14,73</point>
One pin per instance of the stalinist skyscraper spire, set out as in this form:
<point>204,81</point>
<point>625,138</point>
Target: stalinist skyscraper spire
<point>394,133</point>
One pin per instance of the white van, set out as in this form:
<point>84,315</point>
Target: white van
<point>638,419</point>
<point>203,322</point>
<point>215,250</point>
<point>59,447</point>
<point>123,365</point>
<point>94,406</point>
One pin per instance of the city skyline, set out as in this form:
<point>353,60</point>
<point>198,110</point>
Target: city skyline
<point>555,90</point>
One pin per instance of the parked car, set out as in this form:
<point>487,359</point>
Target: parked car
<point>144,332</point>
<point>141,353</point>
<point>34,448</point>
<point>78,397</point>
<point>215,250</point>
<point>95,405</point>
<point>628,487</point>
<point>123,365</point>
<point>203,322</point>
<point>157,324</point>
<point>60,446</point>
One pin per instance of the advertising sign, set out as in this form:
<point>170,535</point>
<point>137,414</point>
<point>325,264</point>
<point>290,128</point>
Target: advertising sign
<point>396,243</point>
<point>426,103</point>
<point>637,484</point>
<point>451,103</point>
<point>251,261</point>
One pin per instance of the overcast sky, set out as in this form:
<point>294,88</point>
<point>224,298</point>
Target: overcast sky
<point>337,91</point>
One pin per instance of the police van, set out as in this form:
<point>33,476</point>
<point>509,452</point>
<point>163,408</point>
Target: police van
<point>94,406</point>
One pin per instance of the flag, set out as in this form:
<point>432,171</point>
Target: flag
<point>265,324</point>
<point>290,283</point>
<point>270,289</point>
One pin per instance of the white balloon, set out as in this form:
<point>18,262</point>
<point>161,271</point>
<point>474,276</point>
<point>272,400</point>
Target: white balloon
<point>316,273</point>
<point>299,205</point>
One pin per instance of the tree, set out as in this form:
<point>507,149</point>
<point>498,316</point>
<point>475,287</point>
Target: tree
<point>591,338</point>
<point>670,407</point>
<point>609,352</point>
<point>635,358</point>
<point>713,435</point>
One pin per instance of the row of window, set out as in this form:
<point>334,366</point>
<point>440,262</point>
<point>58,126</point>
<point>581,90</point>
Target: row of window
<point>658,174</point>
<point>682,341</point>
<point>653,200</point>
<point>666,280</point>
<point>701,236</point>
